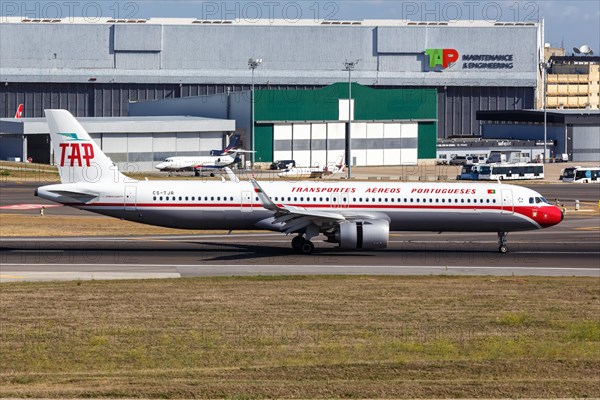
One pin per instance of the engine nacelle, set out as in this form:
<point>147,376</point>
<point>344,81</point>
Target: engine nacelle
<point>367,234</point>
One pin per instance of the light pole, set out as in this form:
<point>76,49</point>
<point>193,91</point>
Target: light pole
<point>253,63</point>
<point>544,66</point>
<point>349,66</point>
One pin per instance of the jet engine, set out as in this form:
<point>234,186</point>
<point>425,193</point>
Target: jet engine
<point>366,234</point>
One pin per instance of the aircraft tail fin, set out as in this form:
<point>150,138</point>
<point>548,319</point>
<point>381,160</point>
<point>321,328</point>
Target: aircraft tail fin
<point>233,143</point>
<point>19,113</point>
<point>77,156</point>
<point>339,165</point>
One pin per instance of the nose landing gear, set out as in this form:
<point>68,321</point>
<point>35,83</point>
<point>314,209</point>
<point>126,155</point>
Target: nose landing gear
<point>502,240</point>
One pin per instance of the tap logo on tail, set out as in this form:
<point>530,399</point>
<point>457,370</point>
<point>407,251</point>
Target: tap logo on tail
<point>75,154</point>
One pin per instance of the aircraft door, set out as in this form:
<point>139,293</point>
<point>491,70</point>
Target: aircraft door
<point>130,198</point>
<point>340,200</point>
<point>247,201</point>
<point>508,206</point>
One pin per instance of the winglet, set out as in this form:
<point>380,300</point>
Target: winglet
<point>263,197</point>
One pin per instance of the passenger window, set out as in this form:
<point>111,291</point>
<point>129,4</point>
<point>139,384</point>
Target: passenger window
<point>179,198</point>
<point>154,198</point>
<point>160,198</point>
<point>212,199</point>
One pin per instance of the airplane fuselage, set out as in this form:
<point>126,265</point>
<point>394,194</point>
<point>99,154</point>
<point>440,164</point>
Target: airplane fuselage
<point>227,205</point>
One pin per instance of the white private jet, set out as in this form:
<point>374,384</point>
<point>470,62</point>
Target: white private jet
<point>313,172</point>
<point>356,215</point>
<point>217,159</point>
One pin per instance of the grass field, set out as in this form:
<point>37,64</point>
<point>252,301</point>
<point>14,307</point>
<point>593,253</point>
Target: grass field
<point>302,337</point>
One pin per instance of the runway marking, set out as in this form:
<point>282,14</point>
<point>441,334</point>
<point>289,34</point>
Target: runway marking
<point>588,228</point>
<point>449,267</point>
<point>35,251</point>
<point>29,206</point>
<point>11,277</point>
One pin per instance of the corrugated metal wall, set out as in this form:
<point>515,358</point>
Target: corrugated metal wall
<point>103,100</point>
<point>586,143</point>
<point>457,106</point>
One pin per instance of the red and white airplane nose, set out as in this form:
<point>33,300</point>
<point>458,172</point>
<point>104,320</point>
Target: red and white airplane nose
<point>548,216</point>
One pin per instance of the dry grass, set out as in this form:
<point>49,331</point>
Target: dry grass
<point>302,337</point>
<point>15,225</point>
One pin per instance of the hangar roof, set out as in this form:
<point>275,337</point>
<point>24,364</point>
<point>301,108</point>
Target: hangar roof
<point>123,125</point>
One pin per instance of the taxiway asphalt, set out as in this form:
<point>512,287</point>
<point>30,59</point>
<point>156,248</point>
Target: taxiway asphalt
<point>569,249</point>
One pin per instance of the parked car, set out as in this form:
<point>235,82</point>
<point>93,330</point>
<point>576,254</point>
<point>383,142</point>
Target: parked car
<point>282,164</point>
<point>458,160</point>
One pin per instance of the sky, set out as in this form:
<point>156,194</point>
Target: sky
<point>573,23</point>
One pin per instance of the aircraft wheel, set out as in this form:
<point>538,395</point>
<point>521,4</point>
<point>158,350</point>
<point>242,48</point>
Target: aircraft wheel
<point>503,249</point>
<point>307,247</point>
<point>297,242</point>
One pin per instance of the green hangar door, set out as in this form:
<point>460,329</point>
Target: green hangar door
<point>373,143</point>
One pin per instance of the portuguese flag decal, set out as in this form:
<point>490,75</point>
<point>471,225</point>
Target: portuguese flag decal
<point>491,191</point>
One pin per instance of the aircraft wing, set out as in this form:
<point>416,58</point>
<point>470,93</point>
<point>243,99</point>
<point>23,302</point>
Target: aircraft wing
<point>296,218</point>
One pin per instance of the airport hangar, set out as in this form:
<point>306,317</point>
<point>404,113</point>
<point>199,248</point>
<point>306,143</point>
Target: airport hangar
<point>96,68</point>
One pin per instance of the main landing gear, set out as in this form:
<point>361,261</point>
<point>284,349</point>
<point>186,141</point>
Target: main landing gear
<point>302,245</point>
<point>502,240</point>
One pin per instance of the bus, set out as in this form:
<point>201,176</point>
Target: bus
<point>507,171</point>
<point>581,175</point>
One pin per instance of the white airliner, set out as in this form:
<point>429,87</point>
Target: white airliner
<point>217,160</point>
<point>356,215</point>
<point>313,172</point>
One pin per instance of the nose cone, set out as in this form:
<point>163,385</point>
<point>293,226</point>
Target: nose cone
<point>549,216</point>
<point>162,165</point>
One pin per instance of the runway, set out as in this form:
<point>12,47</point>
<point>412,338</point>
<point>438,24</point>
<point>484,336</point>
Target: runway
<point>570,249</point>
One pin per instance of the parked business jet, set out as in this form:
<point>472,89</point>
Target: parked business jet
<point>218,159</point>
<point>19,113</point>
<point>356,215</point>
<point>313,172</point>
